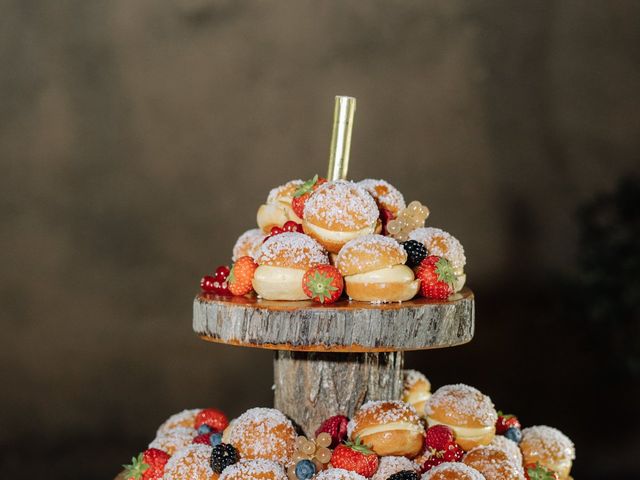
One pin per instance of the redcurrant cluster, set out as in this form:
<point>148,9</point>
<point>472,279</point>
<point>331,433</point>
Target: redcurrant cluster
<point>216,283</point>
<point>289,226</point>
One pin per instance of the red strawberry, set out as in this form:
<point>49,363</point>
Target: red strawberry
<point>439,437</point>
<point>240,280</point>
<point>355,457</point>
<point>149,465</point>
<point>323,284</point>
<point>204,439</point>
<point>453,453</point>
<point>432,461</point>
<point>436,277</point>
<point>212,417</point>
<point>505,422</point>
<point>335,426</point>
<point>535,471</point>
<point>303,193</point>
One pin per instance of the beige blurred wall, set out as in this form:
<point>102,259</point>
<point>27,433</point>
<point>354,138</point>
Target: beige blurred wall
<point>137,139</point>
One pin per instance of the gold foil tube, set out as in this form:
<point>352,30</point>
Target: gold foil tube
<point>343,113</point>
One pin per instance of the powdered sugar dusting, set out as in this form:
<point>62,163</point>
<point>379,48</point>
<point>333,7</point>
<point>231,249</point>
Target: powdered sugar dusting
<point>254,469</point>
<point>511,449</point>
<point>463,472</point>
<point>174,440</point>
<point>249,243</point>
<point>338,474</point>
<point>263,433</point>
<point>191,462</point>
<point>384,193</point>
<point>297,250</point>
<point>341,205</point>
<point>185,418</point>
<point>493,463</point>
<point>464,400</point>
<point>358,251</point>
<point>411,377</point>
<point>284,192</point>
<point>381,412</point>
<point>545,441</point>
<point>390,465</point>
<point>442,244</point>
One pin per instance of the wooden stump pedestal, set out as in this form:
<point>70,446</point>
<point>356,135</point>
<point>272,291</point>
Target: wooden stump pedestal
<point>332,359</point>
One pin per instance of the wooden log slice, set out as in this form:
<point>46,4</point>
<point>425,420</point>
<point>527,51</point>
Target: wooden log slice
<point>341,327</point>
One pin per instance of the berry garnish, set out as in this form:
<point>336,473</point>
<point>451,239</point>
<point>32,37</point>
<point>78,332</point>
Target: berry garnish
<point>506,421</point>
<point>335,426</point>
<point>535,471</point>
<point>207,284</point>
<point>303,193</point>
<point>439,437</point>
<point>453,453</point>
<point>323,284</point>
<point>211,417</point>
<point>222,272</point>
<point>356,457</point>
<point>292,226</point>
<point>432,461</point>
<point>436,277</point>
<point>305,469</point>
<point>204,428</point>
<point>385,217</point>
<point>149,465</point>
<point>203,438</point>
<point>215,439</point>
<point>222,456</point>
<point>514,434</point>
<point>241,277</point>
<point>404,475</point>
<point>416,252</point>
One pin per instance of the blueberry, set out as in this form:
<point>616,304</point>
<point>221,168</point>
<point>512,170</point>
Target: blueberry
<point>513,433</point>
<point>204,428</point>
<point>215,439</point>
<point>305,469</point>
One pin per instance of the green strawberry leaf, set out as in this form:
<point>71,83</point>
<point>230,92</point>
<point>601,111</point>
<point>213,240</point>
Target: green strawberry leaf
<point>321,286</point>
<point>136,468</point>
<point>358,446</point>
<point>538,472</point>
<point>506,416</point>
<point>306,187</point>
<point>445,273</point>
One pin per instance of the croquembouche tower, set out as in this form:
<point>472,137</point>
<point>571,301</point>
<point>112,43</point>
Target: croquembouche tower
<point>339,280</point>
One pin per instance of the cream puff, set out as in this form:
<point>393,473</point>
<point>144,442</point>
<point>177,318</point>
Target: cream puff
<point>550,447</point>
<point>443,244</point>
<point>263,433</point>
<point>277,211</point>
<point>510,448</point>
<point>492,463</point>
<point>183,419</point>
<point>388,428</point>
<point>416,390</point>
<point>339,211</point>
<point>254,470</point>
<point>452,471</point>
<point>175,439</point>
<point>190,463</point>
<point>248,243</point>
<point>374,270</point>
<point>282,262</point>
<point>338,474</point>
<point>464,409</point>
<point>391,465</point>
<point>386,195</point>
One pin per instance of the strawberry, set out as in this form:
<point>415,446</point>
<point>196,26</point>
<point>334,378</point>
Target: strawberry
<point>241,277</point>
<point>439,437</point>
<point>436,277</point>
<point>535,471</point>
<point>323,283</point>
<point>335,426</point>
<point>303,193</point>
<point>505,422</point>
<point>212,417</point>
<point>355,457</point>
<point>149,465</point>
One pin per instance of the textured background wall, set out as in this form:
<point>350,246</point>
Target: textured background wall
<point>138,137</point>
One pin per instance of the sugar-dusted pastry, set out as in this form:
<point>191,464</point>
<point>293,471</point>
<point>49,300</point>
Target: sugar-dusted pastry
<point>339,211</point>
<point>277,211</point>
<point>509,447</point>
<point>388,428</point>
<point>416,390</point>
<point>493,463</point>
<point>183,419</point>
<point>263,433</point>
<point>248,243</point>
<point>282,262</point>
<point>469,413</point>
<point>254,470</point>
<point>375,271</point>
<point>453,471</point>
<point>393,464</point>
<point>550,447</point>
<point>386,195</point>
<point>443,244</point>
<point>190,463</point>
<point>174,439</point>
<point>338,474</point>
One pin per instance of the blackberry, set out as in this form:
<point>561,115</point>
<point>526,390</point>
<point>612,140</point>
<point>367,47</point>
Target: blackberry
<point>416,252</point>
<point>222,456</point>
<point>404,475</point>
